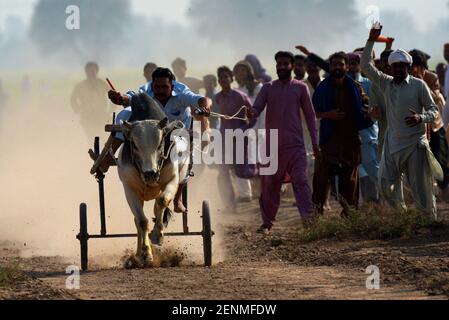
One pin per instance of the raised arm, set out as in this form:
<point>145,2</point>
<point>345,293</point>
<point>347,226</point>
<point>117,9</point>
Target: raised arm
<point>368,69</point>
<point>320,62</point>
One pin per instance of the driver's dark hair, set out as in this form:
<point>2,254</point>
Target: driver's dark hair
<point>285,54</point>
<point>339,55</point>
<point>163,73</point>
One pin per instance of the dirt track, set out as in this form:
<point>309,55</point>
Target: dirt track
<point>250,266</point>
<point>258,267</point>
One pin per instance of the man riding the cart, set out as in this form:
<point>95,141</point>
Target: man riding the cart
<point>176,101</point>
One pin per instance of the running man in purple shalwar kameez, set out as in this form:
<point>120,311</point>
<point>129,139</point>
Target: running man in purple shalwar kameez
<point>284,98</point>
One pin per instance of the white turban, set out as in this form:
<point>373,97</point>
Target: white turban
<point>400,56</point>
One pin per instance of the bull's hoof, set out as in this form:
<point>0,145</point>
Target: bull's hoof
<point>147,260</point>
<point>157,238</point>
<point>133,262</point>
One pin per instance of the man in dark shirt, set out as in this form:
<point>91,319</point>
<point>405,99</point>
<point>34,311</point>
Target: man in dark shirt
<point>339,102</point>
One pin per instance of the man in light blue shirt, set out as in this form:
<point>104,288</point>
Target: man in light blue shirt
<point>176,109</point>
<point>369,169</point>
<point>174,98</point>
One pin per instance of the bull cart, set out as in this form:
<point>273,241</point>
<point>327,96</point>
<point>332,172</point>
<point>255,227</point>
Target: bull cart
<point>84,235</point>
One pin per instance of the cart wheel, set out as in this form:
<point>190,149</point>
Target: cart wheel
<point>207,235</point>
<point>83,236</point>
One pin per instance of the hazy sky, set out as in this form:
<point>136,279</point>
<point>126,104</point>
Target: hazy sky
<point>402,19</point>
<point>178,8</point>
<point>424,14</point>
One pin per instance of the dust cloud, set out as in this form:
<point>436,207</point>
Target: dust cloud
<point>44,174</point>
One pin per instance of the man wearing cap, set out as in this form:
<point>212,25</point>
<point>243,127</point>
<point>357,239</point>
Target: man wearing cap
<point>409,106</point>
<point>377,112</point>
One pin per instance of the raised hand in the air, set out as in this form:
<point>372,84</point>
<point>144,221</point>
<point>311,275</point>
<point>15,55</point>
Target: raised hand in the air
<point>375,32</point>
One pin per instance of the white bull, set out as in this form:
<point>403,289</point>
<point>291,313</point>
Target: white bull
<point>148,172</point>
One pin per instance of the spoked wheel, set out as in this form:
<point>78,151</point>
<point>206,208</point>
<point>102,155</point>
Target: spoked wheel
<point>207,235</point>
<point>83,236</point>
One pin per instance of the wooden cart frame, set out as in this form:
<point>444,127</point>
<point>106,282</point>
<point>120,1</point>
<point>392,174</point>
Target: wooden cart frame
<point>84,236</point>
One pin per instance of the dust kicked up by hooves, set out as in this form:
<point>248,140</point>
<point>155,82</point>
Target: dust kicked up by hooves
<point>162,258</point>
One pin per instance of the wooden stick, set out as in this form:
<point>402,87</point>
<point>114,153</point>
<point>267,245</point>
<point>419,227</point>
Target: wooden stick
<point>113,128</point>
<point>110,84</point>
<point>383,39</point>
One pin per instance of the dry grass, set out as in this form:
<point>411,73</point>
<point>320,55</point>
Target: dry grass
<point>372,222</point>
<point>10,274</point>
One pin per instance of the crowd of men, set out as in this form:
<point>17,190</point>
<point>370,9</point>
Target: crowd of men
<point>372,127</point>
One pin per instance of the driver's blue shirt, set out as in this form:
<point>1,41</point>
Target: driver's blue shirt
<point>177,107</point>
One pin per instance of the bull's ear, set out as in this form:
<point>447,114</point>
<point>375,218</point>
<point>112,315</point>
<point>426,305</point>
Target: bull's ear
<point>163,123</point>
<point>126,129</point>
<point>175,125</point>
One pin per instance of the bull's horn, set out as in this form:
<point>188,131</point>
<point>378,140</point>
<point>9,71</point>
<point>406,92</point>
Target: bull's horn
<point>126,128</point>
<point>163,123</point>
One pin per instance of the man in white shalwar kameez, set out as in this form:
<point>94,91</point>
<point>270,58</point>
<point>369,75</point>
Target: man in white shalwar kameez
<point>409,106</point>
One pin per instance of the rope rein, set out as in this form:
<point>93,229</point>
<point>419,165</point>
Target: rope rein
<point>164,156</point>
<point>222,116</point>
<point>226,117</point>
